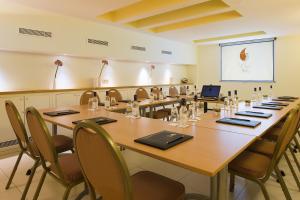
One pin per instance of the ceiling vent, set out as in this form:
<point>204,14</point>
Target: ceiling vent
<point>35,32</point>
<point>98,42</point>
<point>166,52</point>
<point>138,48</point>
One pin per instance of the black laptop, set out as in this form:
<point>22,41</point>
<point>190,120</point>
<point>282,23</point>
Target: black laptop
<point>210,91</point>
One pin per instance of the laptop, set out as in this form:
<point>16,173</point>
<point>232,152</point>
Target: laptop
<point>210,91</point>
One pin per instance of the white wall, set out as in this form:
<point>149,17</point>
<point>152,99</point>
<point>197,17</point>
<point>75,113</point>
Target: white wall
<point>20,71</point>
<point>287,69</point>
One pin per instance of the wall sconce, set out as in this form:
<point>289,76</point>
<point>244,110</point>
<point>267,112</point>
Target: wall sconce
<point>152,67</point>
<point>103,64</point>
<point>58,64</point>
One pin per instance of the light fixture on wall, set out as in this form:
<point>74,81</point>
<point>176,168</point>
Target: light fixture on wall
<point>103,64</point>
<point>152,67</point>
<point>58,64</point>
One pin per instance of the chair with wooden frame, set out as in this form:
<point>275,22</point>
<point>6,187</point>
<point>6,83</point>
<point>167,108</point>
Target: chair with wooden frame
<point>173,92</point>
<point>142,94</point>
<point>116,94</point>
<point>183,90</point>
<point>84,99</point>
<point>107,174</point>
<point>267,148</point>
<point>62,143</point>
<point>258,167</point>
<point>63,167</point>
<point>161,113</point>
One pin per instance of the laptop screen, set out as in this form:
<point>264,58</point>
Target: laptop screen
<point>210,91</point>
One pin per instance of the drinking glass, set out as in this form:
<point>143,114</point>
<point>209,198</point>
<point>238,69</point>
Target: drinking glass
<point>113,101</point>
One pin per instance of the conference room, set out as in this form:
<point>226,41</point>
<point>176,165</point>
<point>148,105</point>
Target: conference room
<point>149,100</point>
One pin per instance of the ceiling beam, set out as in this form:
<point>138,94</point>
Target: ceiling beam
<point>140,8</point>
<point>227,37</point>
<point>180,14</point>
<point>197,21</point>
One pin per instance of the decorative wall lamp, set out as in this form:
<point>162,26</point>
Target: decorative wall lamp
<point>103,64</point>
<point>58,64</point>
<point>152,67</point>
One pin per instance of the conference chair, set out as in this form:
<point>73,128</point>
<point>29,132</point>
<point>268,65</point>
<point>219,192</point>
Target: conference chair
<point>64,168</point>
<point>116,94</point>
<point>142,94</point>
<point>183,90</point>
<point>258,167</point>
<point>84,99</point>
<point>61,144</point>
<point>173,92</point>
<point>267,148</point>
<point>107,174</point>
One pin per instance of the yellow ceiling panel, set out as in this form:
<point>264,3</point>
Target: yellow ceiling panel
<point>198,21</point>
<point>139,9</point>
<point>241,35</point>
<point>180,14</point>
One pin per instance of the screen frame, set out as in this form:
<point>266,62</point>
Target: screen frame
<point>248,42</point>
<point>217,86</point>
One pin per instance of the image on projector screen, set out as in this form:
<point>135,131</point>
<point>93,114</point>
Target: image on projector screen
<point>248,62</point>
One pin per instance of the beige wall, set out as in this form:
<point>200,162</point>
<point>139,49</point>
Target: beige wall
<point>32,67</point>
<point>19,71</point>
<point>287,69</point>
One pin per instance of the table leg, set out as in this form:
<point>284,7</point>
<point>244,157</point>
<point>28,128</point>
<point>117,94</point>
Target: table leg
<point>219,185</point>
<point>151,112</point>
<point>54,129</point>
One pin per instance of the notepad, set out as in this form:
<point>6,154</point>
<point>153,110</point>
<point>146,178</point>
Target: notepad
<point>287,97</point>
<point>269,107</point>
<point>240,122</point>
<point>98,120</point>
<point>287,100</point>
<point>254,114</point>
<point>125,101</point>
<point>61,113</point>
<point>274,103</point>
<point>164,139</point>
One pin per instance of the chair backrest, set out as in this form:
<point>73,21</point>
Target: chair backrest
<point>17,125</point>
<point>84,99</point>
<point>290,133</point>
<point>173,92</point>
<point>41,137</point>
<point>101,162</point>
<point>142,94</point>
<point>156,90</point>
<point>115,93</point>
<point>183,90</point>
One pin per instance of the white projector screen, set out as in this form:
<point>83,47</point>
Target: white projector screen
<point>248,61</point>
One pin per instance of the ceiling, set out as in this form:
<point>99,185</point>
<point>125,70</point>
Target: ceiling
<point>199,21</point>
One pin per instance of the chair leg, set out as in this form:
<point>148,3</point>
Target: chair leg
<point>38,189</point>
<point>292,170</point>
<point>232,181</point>
<point>297,143</point>
<point>264,190</point>
<point>282,183</point>
<point>14,170</point>
<point>36,164</point>
<point>67,192</point>
<point>295,158</point>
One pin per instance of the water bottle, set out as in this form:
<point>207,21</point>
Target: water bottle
<point>183,114</point>
<point>107,100</point>
<point>161,95</point>
<point>254,96</point>
<point>271,93</point>
<point>135,107</point>
<point>259,95</point>
<point>235,99</point>
<point>193,109</point>
<point>93,102</point>
<point>230,101</point>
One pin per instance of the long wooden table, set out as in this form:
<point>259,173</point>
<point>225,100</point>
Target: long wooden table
<point>214,145</point>
<point>208,153</point>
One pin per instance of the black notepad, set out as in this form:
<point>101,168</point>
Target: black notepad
<point>164,139</point>
<point>240,122</point>
<point>274,103</point>
<point>98,120</point>
<point>61,112</point>
<point>287,97</point>
<point>269,107</point>
<point>124,101</point>
<point>254,114</point>
<point>287,100</point>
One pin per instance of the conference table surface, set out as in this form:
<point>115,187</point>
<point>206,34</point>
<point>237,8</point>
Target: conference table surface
<point>207,153</point>
<point>209,119</point>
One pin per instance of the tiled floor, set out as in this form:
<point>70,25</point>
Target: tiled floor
<point>195,183</point>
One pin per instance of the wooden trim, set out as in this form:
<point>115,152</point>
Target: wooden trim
<point>79,89</point>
